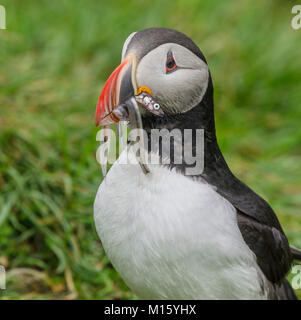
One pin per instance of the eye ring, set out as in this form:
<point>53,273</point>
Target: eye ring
<point>170,64</point>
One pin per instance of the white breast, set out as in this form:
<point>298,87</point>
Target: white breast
<point>171,237</point>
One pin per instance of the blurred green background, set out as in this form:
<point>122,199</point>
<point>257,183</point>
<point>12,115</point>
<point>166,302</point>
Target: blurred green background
<point>54,58</point>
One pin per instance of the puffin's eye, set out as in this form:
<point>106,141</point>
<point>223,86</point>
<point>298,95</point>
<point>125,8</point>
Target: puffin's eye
<point>170,63</point>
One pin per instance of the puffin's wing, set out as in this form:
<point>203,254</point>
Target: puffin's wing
<point>269,244</point>
<point>259,226</point>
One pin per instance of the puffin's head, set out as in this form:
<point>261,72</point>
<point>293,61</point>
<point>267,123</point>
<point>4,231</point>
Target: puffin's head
<point>161,62</point>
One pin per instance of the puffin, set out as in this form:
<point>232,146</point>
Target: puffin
<point>172,235</point>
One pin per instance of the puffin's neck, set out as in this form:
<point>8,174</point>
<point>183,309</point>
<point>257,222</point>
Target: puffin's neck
<point>199,117</point>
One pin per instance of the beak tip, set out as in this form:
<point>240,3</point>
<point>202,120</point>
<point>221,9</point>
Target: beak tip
<point>96,120</point>
<point>98,123</point>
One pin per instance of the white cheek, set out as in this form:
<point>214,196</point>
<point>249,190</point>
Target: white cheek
<point>186,89</point>
<point>180,90</point>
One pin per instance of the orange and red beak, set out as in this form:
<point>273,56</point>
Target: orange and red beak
<point>120,86</point>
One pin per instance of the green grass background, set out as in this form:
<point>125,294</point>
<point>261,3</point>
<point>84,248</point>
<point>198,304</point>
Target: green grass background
<point>54,58</point>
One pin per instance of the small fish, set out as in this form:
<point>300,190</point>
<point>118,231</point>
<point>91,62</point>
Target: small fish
<point>121,113</point>
<point>149,103</point>
<point>129,111</point>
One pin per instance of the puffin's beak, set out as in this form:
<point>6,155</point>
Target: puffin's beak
<point>120,86</point>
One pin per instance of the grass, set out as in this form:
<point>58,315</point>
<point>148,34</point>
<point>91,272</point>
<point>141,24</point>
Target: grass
<point>54,58</point>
